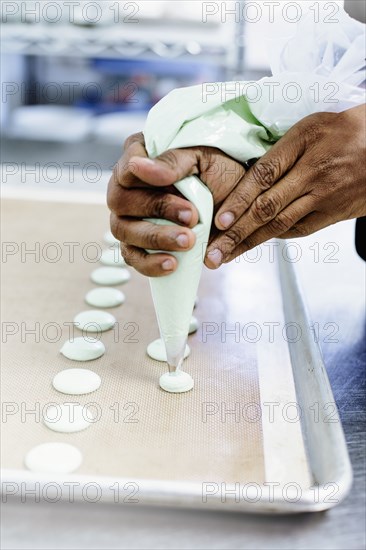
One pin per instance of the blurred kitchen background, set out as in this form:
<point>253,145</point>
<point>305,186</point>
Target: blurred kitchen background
<point>79,77</point>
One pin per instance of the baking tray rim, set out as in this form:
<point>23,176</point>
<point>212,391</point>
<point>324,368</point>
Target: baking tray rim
<point>16,483</point>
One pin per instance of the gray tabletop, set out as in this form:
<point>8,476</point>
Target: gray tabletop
<point>333,279</point>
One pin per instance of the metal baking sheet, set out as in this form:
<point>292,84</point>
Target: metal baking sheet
<point>260,432</point>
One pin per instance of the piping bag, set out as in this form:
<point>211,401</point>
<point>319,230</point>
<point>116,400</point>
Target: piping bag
<point>222,115</point>
<point>174,295</point>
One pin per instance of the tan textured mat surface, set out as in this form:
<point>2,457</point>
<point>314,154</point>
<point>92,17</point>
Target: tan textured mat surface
<point>142,432</point>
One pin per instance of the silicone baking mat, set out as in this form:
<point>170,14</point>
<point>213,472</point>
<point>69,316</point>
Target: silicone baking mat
<point>220,431</point>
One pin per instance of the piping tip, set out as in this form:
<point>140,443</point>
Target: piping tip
<point>172,368</point>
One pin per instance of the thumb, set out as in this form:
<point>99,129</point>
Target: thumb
<point>166,169</point>
<point>218,171</point>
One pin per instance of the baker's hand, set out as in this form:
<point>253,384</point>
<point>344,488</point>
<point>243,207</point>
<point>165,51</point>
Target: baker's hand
<point>311,178</point>
<point>142,188</point>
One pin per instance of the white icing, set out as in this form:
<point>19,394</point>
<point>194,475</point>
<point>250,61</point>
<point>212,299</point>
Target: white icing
<point>109,276</point>
<point>105,297</point>
<point>156,350</point>
<point>76,381</point>
<point>80,349</point>
<point>174,295</point>
<point>110,239</point>
<point>67,418</point>
<point>176,382</point>
<point>53,458</point>
<point>94,320</point>
<point>193,325</point>
<point>112,257</point>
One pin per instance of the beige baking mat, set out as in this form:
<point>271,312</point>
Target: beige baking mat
<point>142,432</point>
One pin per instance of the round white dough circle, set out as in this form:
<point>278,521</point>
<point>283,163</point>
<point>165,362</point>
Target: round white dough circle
<point>76,381</point>
<point>67,418</point>
<point>156,350</point>
<point>112,257</point>
<point>105,296</point>
<point>110,239</point>
<point>193,325</point>
<point>53,458</point>
<point>109,276</point>
<point>94,320</point>
<point>176,382</point>
<point>79,349</point>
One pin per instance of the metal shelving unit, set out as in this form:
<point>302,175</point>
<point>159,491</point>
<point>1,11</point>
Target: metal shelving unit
<point>166,41</point>
<point>123,41</point>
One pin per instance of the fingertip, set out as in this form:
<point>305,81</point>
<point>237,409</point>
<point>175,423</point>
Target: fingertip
<point>158,265</point>
<point>168,265</point>
<point>164,266</point>
<point>223,220</point>
<point>188,216</point>
<point>214,258</point>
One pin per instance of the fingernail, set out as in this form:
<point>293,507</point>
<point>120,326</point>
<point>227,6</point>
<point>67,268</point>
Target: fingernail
<point>182,240</point>
<point>185,216</point>
<point>167,265</point>
<point>215,257</point>
<point>226,219</point>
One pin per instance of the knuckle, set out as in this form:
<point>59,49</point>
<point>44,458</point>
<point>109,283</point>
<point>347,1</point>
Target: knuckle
<point>281,223</point>
<point>324,166</point>
<point>300,230</point>
<point>170,158</point>
<point>264,173</point>
<point>233,237</point>
<point>114,225</point>
<point>111,195</point>
<point>119,229</point>
<point>250,242</point>
<point>207,157</point>
<point>314,126</point>
<point>117,197</point>
<point>242,197</point>
<point>162,205</point>
<point>265,208</point>
<point>127,254</point>
<point>121,171</point>
<point>132,139</point>
<point>153,237</point>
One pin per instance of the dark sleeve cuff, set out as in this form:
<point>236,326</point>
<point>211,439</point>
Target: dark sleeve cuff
<point>361,237</point>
